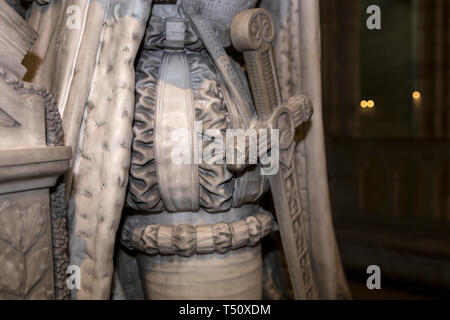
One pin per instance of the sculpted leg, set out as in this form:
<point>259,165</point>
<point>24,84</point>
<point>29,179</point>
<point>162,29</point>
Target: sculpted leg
<point>236,275</point>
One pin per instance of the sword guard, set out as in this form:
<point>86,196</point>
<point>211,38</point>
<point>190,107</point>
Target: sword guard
<point>301,107</point>
<point>297,111</point>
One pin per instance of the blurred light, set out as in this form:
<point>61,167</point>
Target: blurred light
<point>371,104</point>
<point>364,104</point>
<point>416,95</point>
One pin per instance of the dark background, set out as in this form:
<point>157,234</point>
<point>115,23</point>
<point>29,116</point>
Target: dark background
<point>389,166</point>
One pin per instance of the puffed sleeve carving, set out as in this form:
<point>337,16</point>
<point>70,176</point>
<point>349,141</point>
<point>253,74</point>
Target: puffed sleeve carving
<point>143,193</point>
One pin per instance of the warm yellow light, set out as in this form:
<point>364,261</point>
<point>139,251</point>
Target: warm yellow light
<point>371,104</point>
<point>416,95</point>
<point>364,104</point>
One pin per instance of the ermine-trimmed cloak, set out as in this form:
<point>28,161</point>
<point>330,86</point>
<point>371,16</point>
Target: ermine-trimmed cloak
<point>85,56</point>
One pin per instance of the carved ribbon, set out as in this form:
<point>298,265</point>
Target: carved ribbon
<point>175,135</point>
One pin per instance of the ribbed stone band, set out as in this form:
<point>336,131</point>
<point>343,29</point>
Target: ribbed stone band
<point>186,239</point>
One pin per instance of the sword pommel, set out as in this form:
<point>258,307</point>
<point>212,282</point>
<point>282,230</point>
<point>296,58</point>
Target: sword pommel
<point>251,29</point>
<point>252,32</point>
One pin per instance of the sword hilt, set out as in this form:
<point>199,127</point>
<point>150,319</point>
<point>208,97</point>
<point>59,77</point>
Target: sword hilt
<point>252,32</point>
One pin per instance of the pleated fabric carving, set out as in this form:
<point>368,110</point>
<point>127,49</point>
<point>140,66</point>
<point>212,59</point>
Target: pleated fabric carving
<point>143,193</point>
<point>219,189</point>
<point>216,182</point>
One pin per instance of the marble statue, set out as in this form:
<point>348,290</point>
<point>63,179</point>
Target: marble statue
<point>128,74</point>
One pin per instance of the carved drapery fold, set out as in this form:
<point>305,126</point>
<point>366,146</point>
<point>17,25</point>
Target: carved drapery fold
<point>143,192</point>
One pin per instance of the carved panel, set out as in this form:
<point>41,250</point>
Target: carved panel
<point>25,246</point>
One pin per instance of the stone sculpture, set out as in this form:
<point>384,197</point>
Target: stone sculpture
<point>33,228</point>
<point>131,75</point>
